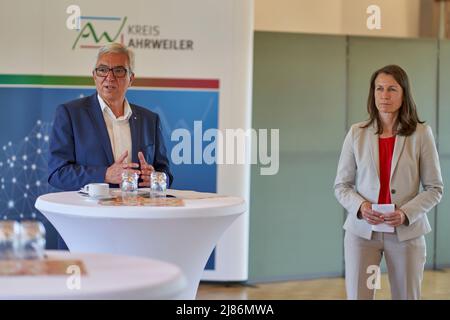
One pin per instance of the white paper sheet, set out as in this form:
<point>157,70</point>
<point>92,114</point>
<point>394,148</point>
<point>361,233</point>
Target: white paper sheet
<point>383,208</point>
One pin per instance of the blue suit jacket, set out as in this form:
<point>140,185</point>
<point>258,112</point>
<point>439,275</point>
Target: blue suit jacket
<point>80,148</point>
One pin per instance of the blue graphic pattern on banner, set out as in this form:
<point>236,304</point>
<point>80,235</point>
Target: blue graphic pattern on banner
<point>25,128</point>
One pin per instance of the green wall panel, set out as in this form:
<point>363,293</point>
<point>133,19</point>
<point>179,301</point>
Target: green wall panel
<point>443,219</point>
<point>443,215</point>
<point>295,221</point>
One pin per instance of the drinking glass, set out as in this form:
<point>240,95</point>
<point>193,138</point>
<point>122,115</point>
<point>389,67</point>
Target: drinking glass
<point>158,184</point>
<point>129,181</point>
<point>9,247</point>
<point>9,240</point>
<point>32,236</point>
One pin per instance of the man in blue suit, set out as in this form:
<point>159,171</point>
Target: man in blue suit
<point>96,138</point>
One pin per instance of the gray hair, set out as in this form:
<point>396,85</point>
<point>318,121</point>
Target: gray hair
<point>116,48</point>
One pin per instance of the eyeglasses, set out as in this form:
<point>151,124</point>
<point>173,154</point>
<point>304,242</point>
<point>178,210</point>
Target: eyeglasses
<point>118,72</point>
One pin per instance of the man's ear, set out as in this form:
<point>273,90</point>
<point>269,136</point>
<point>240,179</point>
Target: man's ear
<point>131,79</point>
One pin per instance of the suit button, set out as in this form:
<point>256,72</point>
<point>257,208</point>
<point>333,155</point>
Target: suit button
<point>393,191</point>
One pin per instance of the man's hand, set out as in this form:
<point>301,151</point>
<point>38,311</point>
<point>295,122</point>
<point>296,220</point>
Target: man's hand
<point>372,217</point>
<point>146,171</point>
<point>114,172</point>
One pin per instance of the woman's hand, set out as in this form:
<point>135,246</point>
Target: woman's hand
<point>372,217</point>
<point>396,218</point>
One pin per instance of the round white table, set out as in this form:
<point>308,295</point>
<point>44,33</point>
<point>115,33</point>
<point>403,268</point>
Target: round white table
<point>107,277</point>
<point>184,236</point>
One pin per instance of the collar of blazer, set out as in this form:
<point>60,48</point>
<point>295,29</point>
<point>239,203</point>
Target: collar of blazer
<point>374,150</point>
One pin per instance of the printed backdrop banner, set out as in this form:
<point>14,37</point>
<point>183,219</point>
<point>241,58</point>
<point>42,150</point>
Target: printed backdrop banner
<point>193,67</point>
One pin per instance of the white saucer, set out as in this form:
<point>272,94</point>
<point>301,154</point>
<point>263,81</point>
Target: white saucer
<point>106,197</point>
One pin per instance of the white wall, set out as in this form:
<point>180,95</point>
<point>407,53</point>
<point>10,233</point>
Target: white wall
<point>310,16</point>
<point>399,18</point>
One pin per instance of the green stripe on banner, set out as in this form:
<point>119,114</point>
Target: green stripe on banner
<point>28,79</point>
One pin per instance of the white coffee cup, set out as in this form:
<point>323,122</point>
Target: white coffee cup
<point>97,189</point>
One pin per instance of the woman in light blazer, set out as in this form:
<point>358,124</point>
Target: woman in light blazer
<point>384,160</point>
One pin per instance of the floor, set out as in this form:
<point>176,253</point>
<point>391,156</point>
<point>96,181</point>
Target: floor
<point>436,286</point>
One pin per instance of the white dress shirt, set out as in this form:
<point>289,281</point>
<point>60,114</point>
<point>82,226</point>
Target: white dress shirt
<point>118,129</point>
